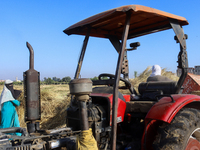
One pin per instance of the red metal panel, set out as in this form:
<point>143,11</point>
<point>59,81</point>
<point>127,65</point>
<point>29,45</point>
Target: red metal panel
<point>149,135</point>
<point>121,105</point>
<point>191,83</point>
<point>127,98</point>
<point>165,109</point>
<point>120,111</point>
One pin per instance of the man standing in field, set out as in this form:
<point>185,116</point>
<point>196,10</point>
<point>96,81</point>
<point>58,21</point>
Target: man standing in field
<point>8,101</point>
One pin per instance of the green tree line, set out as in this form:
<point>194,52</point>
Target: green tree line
<point>55,80</point>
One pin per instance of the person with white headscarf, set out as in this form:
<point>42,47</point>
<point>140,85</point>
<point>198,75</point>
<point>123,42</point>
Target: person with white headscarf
<point>8,100</point>
<point>156,75</point>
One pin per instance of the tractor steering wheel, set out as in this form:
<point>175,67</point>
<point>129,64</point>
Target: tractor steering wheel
<point>111,76</point>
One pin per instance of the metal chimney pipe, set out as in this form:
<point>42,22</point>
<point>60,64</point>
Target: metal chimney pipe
<point>31,64</point>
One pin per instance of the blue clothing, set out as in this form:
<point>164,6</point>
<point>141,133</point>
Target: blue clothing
<point>9,116</point>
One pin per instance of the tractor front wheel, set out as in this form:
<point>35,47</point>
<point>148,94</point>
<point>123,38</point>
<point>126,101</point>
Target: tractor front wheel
<point>183,133</point>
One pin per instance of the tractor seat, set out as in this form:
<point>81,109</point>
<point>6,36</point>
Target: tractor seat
<point>149,90</point>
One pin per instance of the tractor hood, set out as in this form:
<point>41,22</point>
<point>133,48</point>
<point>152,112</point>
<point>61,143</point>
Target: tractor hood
<point>144,20</point>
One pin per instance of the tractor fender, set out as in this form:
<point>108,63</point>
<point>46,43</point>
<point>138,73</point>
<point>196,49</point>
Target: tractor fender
<point>166,109</point>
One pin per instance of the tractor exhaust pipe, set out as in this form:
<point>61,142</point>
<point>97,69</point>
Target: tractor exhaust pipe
<point>31,63</point>
<point>32,95</point>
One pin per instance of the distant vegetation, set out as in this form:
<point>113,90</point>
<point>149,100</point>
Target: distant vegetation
<point>47,81</point>
<point>56,80</point>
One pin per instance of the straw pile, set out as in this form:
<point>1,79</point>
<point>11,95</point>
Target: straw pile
<point>54,102</point>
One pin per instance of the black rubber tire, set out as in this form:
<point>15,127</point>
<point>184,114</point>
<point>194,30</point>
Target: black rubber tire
<point>175,136</point>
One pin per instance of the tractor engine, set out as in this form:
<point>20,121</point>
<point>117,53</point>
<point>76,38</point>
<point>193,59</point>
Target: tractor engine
<point>96,114</point>
<point>96,120</point>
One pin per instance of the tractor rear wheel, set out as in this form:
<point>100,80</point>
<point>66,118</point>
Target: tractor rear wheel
<point>183,133</point>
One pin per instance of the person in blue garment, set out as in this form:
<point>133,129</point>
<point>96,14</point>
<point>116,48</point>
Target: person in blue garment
<point>8,101</point>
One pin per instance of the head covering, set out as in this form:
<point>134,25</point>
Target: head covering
<point>156,70</point>
<point>8,81</point>
<point>8,93</point>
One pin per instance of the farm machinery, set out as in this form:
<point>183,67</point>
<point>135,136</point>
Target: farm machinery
<point>159,117</point>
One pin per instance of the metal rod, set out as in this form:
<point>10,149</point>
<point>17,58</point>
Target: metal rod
<point>126,72</point>
<point>83,115</point>
<point>13,130</point>
<point>78,69</point>
<point>183,69</point>
<point>117,77</point>
<point>31,65</point>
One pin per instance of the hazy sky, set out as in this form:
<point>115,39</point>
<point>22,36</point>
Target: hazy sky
<point>41,23</point>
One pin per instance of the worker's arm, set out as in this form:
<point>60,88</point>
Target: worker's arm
<point>15,102</point>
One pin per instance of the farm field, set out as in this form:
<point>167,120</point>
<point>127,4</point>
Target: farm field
<point>56,98</point>
<point>54,102</point>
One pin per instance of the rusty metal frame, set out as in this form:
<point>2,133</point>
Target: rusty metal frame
<point>182,57</point>
<point>117,44</point>
<point>117,77</point>
<point>80,61</point>
<point>125,68</point>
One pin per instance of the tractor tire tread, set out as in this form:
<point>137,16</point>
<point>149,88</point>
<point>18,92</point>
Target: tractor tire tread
<point>174,136</point>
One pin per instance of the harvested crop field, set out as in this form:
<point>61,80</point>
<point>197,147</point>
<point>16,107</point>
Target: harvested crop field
<point>54,102</point>
<point>56,98</point>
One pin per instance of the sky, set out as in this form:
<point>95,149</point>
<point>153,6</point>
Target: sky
<point>41,23</point>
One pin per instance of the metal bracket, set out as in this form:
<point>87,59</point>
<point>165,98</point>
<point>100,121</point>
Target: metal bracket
<point>179,32</point>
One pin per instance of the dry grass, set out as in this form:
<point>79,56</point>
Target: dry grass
<point>55,100</point>
<point>146,73</point>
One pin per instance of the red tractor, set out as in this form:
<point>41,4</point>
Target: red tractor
<point>159,117</point>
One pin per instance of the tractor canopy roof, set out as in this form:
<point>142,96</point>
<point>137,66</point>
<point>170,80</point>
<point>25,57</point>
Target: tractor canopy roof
<point>144,20</point>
